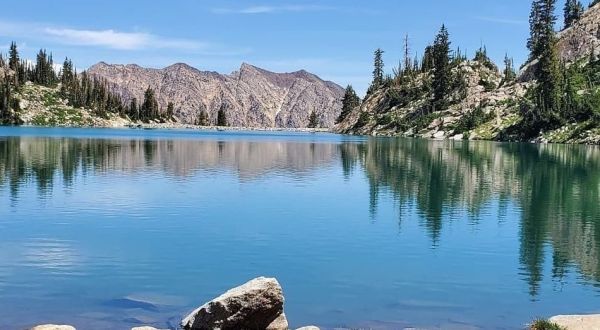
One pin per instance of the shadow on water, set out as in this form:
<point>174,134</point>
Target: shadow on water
<point>556,187</point>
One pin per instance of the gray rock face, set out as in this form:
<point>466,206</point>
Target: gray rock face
<point>257,304</point>
<point>53,327</point>
<point>252,97</point>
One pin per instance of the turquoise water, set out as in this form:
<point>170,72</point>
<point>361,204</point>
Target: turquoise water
<point>108,229</point>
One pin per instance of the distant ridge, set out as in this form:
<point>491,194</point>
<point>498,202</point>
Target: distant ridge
<point>252,97</point>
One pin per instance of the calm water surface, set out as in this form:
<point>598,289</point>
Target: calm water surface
<point>108,229</point>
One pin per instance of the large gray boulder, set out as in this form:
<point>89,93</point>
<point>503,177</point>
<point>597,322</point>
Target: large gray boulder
<point>256,305</point>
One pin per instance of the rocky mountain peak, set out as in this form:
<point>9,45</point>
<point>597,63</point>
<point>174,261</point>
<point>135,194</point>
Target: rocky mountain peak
<point>252,97</point>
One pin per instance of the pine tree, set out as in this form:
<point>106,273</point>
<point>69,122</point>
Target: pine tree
<point>442,73</point>
<point>203,119</point>
<point>222,116</point>
<point>427,62</point>
<point>13,57</point>
<point>134,111</point>
<point>170,111</point>
<point>547,95</point>
<point>509,71</point>
<point>378,69</point>
<point>349,102</point>
<point>313,120</point>
<point>14,64</point>
<point>536,28</point>
<point>149,109</point>
<point>572,12</point>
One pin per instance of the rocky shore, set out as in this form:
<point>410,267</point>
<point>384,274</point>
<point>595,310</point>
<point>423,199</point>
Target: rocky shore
<point>259,305</point>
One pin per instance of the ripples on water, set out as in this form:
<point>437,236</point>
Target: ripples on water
<point>108,229</point>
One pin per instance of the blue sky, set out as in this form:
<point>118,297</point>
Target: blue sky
<point>331,38</point>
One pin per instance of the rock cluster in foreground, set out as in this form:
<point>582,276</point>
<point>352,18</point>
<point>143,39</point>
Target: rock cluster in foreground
<point>258,305</point>
<point>255,305</point>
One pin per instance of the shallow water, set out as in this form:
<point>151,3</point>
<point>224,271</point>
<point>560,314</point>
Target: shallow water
<point>108,229</point>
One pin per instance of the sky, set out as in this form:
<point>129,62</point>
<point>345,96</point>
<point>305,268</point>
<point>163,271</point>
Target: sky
<point>334,39</point>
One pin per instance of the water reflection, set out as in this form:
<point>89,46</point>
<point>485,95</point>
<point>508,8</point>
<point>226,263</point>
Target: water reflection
<point>555,187</point>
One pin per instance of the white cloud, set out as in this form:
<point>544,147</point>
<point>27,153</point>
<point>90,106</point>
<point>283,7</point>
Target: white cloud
<point>118,40</point>
<point>99,38</point>
<point>271,9</point>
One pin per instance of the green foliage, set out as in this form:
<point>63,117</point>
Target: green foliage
<point>471,120</point>
<point>203,119</point>
<point>378,67</point>
<point>363,119</point>
<point>43,73</point>
<point>442,70</point>
<point>545,325</point>
<point>545,99</point>
<point>222,116</point>
<point>488,85</point>
<point>313,120</point>
<point>417,121</point>
<point>349,102</point>
<point>572,12</point>
<point>170,111</point>
<point>481,56</point>
<point>509,72</point>
<point>149,108</point>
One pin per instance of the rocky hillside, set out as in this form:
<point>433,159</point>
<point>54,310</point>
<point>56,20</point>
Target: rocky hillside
<point>483,106</point>
<point>582,38</point>
<point>251,97</point>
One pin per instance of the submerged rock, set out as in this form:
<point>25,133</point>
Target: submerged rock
<point>53,327</point>
<point>257,304</point>
<point>577,322</point>
<point>145,328</point>
<point>310,327</point>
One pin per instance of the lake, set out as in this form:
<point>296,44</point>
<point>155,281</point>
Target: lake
<point>113,228</point>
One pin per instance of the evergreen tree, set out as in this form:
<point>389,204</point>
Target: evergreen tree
<point>13,57</point>
<point>203,119</point>
<point>536,28</point>
<point>509,72</point>
<point>14,64</point>
<point>170,111</point>
<point>349,102</point>
<point>442,74</point>
<point>313,120</point>
<point>222,116</point>
<point>134,111</point>
<point>572,12</point>
<point>547,93</point>
<point>378,69</point>
<point>149,109</point>
<point>427,63</point>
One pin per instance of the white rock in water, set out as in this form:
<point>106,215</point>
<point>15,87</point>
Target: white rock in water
<point>310,327</point>
<point>145,328</point>
<point>53,327</point>
<point>257,304</point>
<point>577,322</point>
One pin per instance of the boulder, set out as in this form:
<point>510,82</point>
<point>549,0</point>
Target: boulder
<point>53,327</point>
<point>257,304</point>
<point>577,322</point>
<point>310,327</point>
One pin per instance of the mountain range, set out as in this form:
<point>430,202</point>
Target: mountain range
<point>251,96</point>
